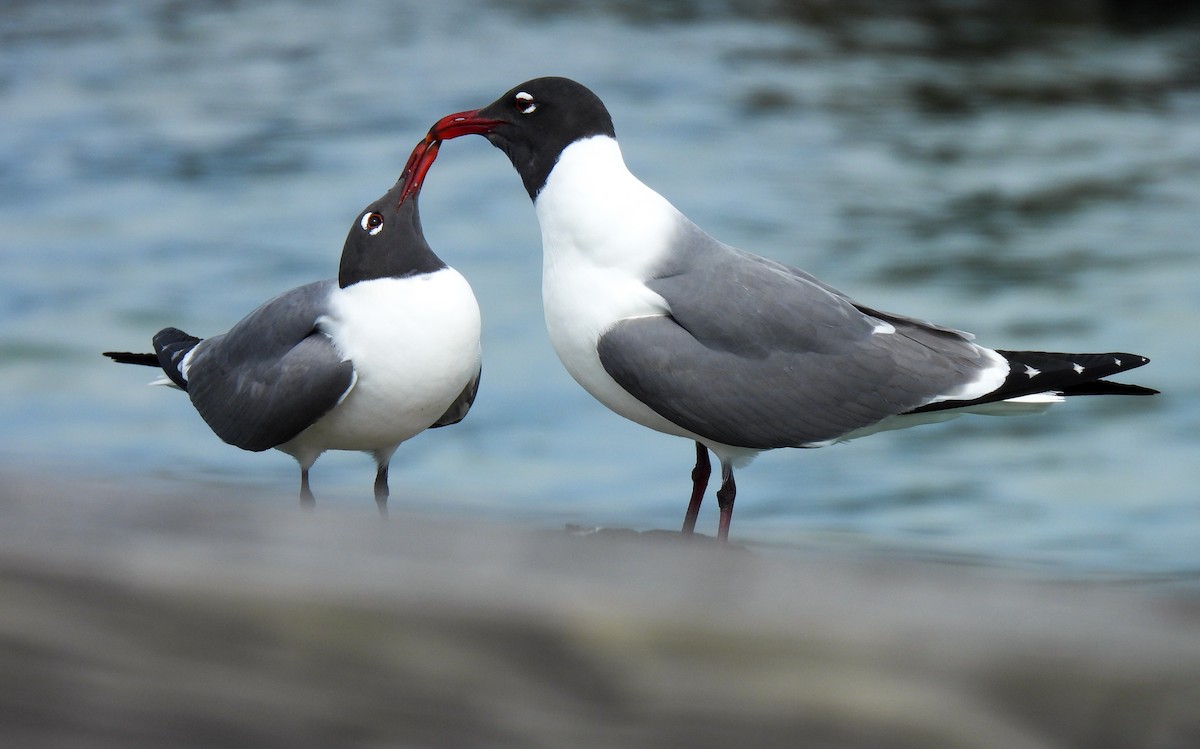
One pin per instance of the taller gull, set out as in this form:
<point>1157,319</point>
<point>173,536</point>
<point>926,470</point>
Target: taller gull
<point>364,362</point>
<point>677,331</point>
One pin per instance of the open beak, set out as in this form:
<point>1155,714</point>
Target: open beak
<point>425,152</point>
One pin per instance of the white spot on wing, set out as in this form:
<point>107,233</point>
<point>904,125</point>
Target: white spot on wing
<point>1032,371</point>
<point>1117,361</point>
<point>186,363</point>
<point>1078,368</point>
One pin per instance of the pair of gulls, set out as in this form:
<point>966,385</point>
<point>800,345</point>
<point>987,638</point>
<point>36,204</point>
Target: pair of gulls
<point>660,322</point>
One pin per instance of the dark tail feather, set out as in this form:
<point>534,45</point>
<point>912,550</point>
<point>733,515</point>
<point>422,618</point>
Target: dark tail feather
<point>128,357</point>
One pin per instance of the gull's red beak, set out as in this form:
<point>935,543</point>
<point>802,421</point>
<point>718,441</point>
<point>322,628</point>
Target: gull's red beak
<point>463,123</point>
<point>422,157</point>
<point>425,152</point>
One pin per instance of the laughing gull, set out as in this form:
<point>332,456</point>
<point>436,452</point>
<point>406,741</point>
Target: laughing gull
<point>364,362</point>
<point>686,335</point>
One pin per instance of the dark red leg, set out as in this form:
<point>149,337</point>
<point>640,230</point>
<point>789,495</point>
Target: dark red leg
<point>381,488</point>
<point>725,496</point>
<point>306,496</point>
<point>700,476</point>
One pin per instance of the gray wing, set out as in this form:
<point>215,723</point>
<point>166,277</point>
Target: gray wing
<point>461,405</point>
<point>273,374</point>
<point>757,354</point>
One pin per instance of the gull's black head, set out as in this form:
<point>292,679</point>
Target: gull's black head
<point>532,124</point>
<point>540,118</point>
<point>386,240</point>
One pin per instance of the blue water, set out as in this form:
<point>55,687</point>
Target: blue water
<point>1033,180</point>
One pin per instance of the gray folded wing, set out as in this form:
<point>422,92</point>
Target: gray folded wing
<point>273,374</point>
<point>757,354</point>
<point>461,405</point>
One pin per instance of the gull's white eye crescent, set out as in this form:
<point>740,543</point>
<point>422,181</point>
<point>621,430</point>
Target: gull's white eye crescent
<point>372,223</point>
<point>525,103</point>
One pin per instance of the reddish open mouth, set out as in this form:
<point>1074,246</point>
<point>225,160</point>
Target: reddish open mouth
<point>425,152</point>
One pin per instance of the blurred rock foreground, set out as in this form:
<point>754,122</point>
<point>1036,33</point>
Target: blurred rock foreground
<point>164,621</point>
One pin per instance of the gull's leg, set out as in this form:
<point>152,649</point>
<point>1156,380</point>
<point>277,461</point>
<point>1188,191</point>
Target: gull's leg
<point>700,476</point>
<point>381,488</point>
<point>725,496</point>
<point>383,459</point>
<point>307,500</point>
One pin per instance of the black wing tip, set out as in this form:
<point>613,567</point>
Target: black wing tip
<point>170,345</point>
<point>1108,387</point>
<point>169,336</point>
<point>1130,361</point>
<point>1057,372</point>
<point>461,406</point>
<point>1079,374</point>
<point>130,357</point>
<point>1113,361</point>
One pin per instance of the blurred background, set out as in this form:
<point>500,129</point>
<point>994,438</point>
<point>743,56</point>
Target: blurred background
<point>1023,170</point>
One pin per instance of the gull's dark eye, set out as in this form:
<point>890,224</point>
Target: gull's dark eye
<point>372,223</point>
<point>524,103</point>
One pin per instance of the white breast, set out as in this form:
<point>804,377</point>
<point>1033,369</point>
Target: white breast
<point>603,231</point>
<point>414,343</point>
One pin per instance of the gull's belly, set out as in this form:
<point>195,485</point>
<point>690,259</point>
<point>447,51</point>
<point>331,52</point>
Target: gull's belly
<point>414,343</point>
<point>581,306</point>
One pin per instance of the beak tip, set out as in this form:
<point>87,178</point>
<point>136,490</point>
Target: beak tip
<point>425,152</point>
<point>419,162</point>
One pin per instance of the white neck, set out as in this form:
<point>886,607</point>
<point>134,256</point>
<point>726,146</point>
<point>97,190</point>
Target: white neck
<point>603,234</point>
<point>593,211</point>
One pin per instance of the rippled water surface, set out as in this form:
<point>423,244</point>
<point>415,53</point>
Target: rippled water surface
<point>1032,177</point>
